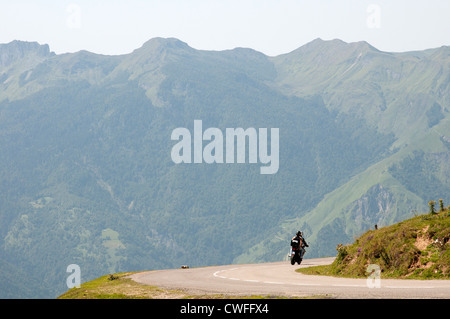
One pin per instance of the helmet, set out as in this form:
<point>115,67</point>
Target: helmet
<point>299,233</point>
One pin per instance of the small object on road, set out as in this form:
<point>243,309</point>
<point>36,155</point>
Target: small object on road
<point>184,267</point>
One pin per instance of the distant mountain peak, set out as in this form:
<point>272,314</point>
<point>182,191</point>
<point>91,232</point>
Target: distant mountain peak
<point>329,52</point>
<point>160,43</point>
<point>336,44</point>
<point>15,50</point>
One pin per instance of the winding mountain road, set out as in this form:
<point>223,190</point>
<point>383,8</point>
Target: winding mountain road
<point>281,279</point>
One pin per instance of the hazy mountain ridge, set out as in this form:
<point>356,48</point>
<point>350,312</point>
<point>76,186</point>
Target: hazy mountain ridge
<point>405,94</point>
<point>86,170</point>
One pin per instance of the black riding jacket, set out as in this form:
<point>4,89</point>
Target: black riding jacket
<point>295,242</point>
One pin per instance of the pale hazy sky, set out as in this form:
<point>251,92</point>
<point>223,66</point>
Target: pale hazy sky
<point>272,27</point>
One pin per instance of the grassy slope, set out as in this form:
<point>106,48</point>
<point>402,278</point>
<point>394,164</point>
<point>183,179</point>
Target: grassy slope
<point>337,203</point>
<point>104,288</point>
<point>403,82</point>
<point>417,248</point>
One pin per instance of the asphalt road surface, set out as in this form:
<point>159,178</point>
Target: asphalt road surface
<point>281,279</point>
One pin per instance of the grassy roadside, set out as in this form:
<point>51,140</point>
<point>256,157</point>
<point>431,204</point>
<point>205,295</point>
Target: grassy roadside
<point>118,286</point>
<point>417,248</point>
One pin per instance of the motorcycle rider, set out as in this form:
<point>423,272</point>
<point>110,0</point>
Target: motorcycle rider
<point>299,241</point>
<point>296,240</point>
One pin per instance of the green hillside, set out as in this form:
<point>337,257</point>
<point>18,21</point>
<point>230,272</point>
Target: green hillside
<point>87,177</point>
<point>416,248</point>
<point>404,94</point>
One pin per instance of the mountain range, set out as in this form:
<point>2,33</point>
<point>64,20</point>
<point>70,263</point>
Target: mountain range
<point>86,175</point>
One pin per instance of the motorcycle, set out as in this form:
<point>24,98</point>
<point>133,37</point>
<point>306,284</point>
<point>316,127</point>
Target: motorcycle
<point>297,251</point>
<point>296,255</point>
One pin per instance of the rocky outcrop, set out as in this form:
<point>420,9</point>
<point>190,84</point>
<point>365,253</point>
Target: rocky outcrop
<point>16,50</point>
<point>373,208</point>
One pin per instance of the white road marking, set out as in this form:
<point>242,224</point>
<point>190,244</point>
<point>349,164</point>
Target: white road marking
<point>216,274</point>
<point>408,287</point>
<point>304,284</point>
